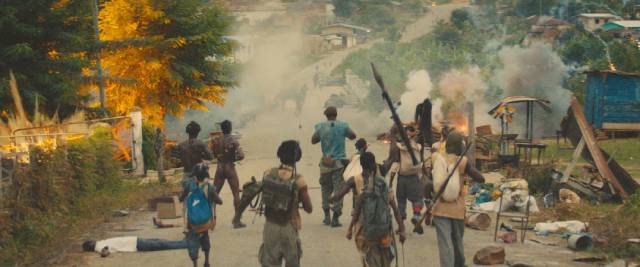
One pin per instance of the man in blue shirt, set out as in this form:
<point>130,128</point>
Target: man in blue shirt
<point>331,135</point>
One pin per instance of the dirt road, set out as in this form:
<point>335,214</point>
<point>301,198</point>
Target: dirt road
<point>323,246</point>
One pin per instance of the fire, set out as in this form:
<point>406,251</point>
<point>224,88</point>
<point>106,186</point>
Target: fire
<point>458,121</point>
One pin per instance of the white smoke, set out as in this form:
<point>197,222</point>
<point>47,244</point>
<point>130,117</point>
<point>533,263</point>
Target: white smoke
<point>419,87</point>
<point>535,71</point>
<point>462,85</point>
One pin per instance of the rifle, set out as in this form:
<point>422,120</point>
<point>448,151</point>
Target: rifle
<point>418,226</point>
<point>394,115</point>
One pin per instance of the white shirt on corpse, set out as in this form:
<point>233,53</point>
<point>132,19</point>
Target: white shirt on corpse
<point>118,244</point>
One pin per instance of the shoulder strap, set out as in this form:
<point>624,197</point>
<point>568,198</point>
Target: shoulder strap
<point>359,181</point>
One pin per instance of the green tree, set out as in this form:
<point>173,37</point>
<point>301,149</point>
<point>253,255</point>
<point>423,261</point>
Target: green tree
<point>446,33</point>
<point>343,8</point>
<point>45,43</point>
<point>181,64</point>
<point>581,48</point>
<point>460,17</point>
<point>527,8</point>
<point>377,16</point>
<point>625,56</point>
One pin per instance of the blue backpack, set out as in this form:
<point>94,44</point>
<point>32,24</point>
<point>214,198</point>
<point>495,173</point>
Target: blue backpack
<point>199,214</point>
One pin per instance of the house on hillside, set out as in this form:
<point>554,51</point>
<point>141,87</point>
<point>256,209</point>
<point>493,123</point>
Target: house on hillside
<point>545,29</point>
<point>343,35</point>
<point>623,28</point>
<point>594,21</point>
<point>613,100</point>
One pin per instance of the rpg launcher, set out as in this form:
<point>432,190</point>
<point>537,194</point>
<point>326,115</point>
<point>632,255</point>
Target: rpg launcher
<point>394,115</point>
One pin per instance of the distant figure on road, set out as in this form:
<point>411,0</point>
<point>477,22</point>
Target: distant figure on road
<point>283,188</point>
<point>375,246</point>
<point>227,151</point>
<point>331,135</point>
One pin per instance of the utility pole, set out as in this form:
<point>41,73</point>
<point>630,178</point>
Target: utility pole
<point>539,8</point>
<point>471,128</point>
<point>98,44</point>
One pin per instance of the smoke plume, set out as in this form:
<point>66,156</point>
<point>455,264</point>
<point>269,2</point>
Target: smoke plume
<point>535,71</point>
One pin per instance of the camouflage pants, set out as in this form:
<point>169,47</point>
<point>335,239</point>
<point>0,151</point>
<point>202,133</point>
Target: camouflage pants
<point>331,182</point>
<point>280,242</point>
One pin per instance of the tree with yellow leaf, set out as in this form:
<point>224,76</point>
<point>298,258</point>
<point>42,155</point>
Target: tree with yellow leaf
<point>164,56</point>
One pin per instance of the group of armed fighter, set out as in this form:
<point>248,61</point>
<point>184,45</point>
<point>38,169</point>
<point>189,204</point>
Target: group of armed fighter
<point>440,171</point>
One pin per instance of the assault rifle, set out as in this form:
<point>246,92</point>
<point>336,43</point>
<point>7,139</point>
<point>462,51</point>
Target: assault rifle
<point>394,115</point>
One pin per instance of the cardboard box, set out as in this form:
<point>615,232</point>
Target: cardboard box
<point>152,203</point>
<point>170,210</point>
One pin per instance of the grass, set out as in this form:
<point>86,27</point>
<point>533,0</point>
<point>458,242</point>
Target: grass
<point>625,151</point>
<point>60,194</point>
<point>612,224</point>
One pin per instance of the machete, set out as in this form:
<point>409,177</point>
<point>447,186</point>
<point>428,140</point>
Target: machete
<point>394,115</point>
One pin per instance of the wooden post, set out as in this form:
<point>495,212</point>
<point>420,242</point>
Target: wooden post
<point>471,126</point>
<point>596,153</point>
<point>136,149</point>
<point>159,146</point>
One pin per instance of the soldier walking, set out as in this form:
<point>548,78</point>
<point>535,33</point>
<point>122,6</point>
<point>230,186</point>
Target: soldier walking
<point>227,151</point>
<point>331,135</point>
<point>283,188</point>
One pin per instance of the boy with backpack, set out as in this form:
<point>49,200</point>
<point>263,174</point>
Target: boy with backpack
<point>201,198</point>
<point>449,209</point>
<point>371,216</point>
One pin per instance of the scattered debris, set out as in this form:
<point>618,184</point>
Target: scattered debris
<point>561,227</point>
<point>105,252</point>
<point>568,196</point>
<point>543,242</point>
<point>590,258</point>
<point>170,210</point>
<point>509,237</point>
<point>517,264</point>
<point>600,241</point>
<point>633,240</point>
<point>479,221</point>
<point>578,129</point>
<point>580,242</point>
<point>490,255</point>
<point>120,213</point>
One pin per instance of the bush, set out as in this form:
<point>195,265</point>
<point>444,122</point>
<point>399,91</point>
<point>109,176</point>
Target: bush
<point>53,191</point>
<point>148,147</point>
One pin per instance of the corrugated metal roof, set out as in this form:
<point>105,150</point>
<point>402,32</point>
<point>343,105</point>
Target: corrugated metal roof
<point>627,23</point>
<point>518,99</point>
<point>348,26</point>
<point>598,15</point>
